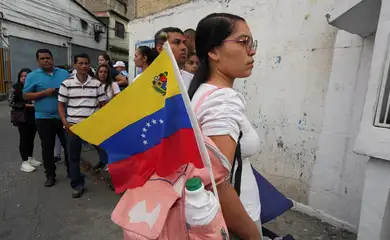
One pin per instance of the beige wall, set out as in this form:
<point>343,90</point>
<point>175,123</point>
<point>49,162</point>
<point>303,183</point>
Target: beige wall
<point>94,5</point>
<point>148,7</point>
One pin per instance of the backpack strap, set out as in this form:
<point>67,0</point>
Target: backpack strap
<point>203,97</point>
<point>238,174</point>
<point>237,156</point>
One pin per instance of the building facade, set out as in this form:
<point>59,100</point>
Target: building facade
<point>66,28</point>
<point>305,97</point>
<point>114,13</point>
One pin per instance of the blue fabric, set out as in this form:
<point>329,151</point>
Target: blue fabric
<point>273,203</point>
<point>38,81</point>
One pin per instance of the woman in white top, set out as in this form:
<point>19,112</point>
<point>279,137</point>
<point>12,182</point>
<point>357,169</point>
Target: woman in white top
<point>111,88</point>
<point>225,49</point>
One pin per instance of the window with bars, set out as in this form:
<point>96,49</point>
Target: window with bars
<point>119,29</point>
<point>382,118</point>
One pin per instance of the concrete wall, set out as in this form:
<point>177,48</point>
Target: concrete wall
<point>23,54</point>
<point>338,175</point>
<point>291,96</point>
<point>63,20</point>
<point>30,25</point>
<point>95,5</point>
<point>146,7</point>
<point>114,40</point>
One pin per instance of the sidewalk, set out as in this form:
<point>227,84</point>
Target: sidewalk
<point>301,226</point>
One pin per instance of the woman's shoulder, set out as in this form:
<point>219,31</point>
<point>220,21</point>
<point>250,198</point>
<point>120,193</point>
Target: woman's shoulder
<point>221,97</point>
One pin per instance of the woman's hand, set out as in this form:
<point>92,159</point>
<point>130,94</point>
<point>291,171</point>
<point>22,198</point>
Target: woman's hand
<point>29,105</point>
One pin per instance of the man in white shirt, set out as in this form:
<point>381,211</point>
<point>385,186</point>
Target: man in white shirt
<point>178,43</point>
<point>79,97</point>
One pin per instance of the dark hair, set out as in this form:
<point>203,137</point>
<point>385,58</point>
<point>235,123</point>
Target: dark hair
<point>190,32</point>
<point>210,33</point>
<point>149,53</point>
<point>80,55</point>
<point>157,38</point>
<point>26,70</point>
<point>107,58</point>
<point>91,73</point>
<point>109,80</point>
<point>190,54</point>
<point>43,50</point>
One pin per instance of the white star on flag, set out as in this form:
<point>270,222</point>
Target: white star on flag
<point>143,135</point>
<point>154,121</point>
<point>145,142</point>
<point>144,129</point>
<point>148,124</point>
<point>161,121</point>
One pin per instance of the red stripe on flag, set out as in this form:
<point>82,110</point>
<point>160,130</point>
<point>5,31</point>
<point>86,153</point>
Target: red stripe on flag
<point>164,159</point>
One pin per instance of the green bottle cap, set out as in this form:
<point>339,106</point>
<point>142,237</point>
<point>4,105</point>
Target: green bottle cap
<point>193,184</point>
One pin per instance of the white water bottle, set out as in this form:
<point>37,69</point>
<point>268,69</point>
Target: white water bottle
<point>201,206</point>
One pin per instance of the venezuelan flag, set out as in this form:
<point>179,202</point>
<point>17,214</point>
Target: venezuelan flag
<point>145,129</point>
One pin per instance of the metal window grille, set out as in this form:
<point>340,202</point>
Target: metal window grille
<point>382,118</point>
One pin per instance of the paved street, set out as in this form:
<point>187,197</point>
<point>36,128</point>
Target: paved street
<point>29,211</point>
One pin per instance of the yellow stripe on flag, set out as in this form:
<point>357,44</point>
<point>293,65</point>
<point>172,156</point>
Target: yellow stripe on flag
<point>137,101</point>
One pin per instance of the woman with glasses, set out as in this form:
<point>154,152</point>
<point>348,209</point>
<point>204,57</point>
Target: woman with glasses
<point>225,48</point>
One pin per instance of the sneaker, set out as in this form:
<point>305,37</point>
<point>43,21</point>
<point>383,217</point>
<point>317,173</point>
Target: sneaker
<point>57,160</point>
<point>77,192</point>
<point>50,181</point>
<point>26,167</point>
<point>33,162</point>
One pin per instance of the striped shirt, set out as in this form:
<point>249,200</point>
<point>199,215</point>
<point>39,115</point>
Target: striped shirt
<point>82,99</point>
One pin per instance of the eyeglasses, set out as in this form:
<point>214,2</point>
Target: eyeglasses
<point>248,42</point>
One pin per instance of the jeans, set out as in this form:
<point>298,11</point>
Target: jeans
<point>57,148</point>
<point>27,132</point>
<point>74,145</point>
<point>48,129</point>
<point>103,157</point>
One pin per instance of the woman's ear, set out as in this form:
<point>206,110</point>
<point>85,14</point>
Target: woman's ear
<point>144,59</point>
<point>214,55</point>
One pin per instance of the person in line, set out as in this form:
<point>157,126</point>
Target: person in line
<point>225,49</point>
<point>190,34</point>
<point>25,123</point>
<point>115,75</point>
<point>120,67</point>
<point>79,97</point>
<point>192,63</point>
<point>178,42</point>
<point>144,56</point>
<point>111,89</point>
<point>42,87</point>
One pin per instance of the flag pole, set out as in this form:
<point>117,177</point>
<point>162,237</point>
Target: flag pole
<point>194,121</point>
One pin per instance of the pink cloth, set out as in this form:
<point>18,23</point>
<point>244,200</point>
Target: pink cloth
<point>156,210</point>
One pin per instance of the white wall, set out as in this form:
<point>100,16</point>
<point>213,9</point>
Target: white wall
<point>338,175</point>
<point>63,19</point>
<point>291,102</point>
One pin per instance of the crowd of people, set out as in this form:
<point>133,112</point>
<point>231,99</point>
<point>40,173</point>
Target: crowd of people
<point>210,59</point>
